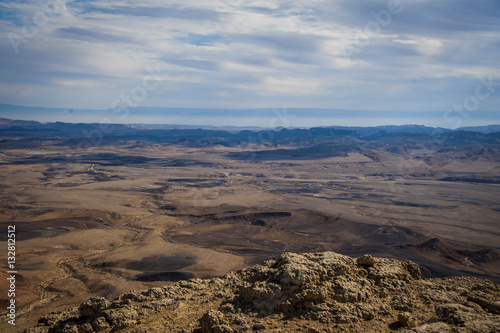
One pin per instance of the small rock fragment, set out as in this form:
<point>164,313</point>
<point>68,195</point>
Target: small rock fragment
<point>100,324</point>
<point>404,318</point>
<point>366,260</point>
<point>259,326</point>
<point>93,307</point>
<point>85,328</point>
<point>455,314</point>
<point>210,320</point>
<point>495,307</point>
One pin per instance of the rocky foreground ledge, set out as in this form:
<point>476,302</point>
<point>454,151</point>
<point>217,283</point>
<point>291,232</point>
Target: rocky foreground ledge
<point>312,292</point>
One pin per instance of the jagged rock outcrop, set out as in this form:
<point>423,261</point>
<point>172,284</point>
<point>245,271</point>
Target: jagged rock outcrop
<point>311,292</point>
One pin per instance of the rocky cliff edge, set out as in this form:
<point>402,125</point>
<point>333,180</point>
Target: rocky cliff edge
<point>310,292</point>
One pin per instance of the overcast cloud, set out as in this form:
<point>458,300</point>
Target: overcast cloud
<point>423,56</point>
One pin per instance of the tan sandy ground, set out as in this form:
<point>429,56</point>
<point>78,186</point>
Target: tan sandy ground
<point>86,230</point>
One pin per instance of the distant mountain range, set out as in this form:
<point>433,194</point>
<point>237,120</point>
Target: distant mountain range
<point>434,146</point>
<point>250,118</point>
<point>10,125</point>
<point>305,138</point>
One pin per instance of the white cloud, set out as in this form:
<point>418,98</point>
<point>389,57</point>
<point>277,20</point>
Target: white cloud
<point>235,52</point>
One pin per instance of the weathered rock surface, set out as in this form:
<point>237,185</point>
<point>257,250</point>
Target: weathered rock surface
<point>311,292</point>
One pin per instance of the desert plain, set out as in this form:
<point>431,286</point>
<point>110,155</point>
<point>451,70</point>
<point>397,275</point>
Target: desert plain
<point>132,213</point>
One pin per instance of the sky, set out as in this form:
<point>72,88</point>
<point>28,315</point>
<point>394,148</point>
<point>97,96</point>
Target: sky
<point>401,56</point>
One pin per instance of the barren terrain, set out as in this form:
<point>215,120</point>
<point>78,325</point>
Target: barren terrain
<point>133,213</point>
<point>309,292</point>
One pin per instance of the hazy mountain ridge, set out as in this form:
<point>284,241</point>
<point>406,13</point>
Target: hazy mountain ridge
<point>409,141</point>
<point>250,117</point>
<point>13,127</point>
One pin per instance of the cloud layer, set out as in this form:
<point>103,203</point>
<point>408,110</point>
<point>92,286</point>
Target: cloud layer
<point>413,55</point>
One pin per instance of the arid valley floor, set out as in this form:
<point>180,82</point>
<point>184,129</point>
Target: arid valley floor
<point>132,213</point>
